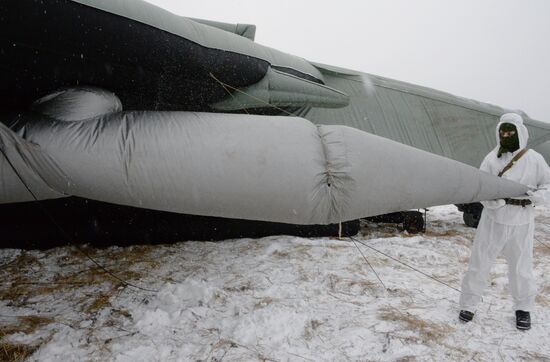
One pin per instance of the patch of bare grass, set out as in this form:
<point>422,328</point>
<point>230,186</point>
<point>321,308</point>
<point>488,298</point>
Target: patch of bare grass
<point>25,262</point>
<point>25,272</point>
<point>25,324</point>
<point>138,254</point>
<point>387,234</point>
<point>300,250</point>
<point>280,253</point>
<point>443,233</point>
<point>428,331</point>
<point>243,287</point>
<point>10,352</point>
<point>24,284</point>
<point>353,287</point>
<point>311,328</point>
<point>374,259</point>
<point>534,356</point>
<point>125,257</point>
<point>543,296</point>
<point>22,288</point>
<point>96,275</point>
<point>264,302</point>
<point>542,249</point>
<point>336,246</point>
<point>100,302</point>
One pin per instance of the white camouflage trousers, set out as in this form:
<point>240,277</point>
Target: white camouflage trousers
<point>516,242</point>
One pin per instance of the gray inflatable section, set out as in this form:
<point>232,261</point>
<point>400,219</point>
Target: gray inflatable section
<point>77,104</point>
<point>280,169</point>
<point>200,33</point>
<point>23,160</point>
<point>245,30</point>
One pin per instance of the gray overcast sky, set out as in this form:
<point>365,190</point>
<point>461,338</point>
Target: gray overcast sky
<point>495,51</point>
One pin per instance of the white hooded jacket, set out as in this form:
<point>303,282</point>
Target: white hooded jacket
<point>530,170</point>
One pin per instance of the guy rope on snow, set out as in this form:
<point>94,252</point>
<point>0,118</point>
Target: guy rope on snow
<point>543,244</point>
<point>364,257</point>
<point>226,87</point>
<point>405,264</point>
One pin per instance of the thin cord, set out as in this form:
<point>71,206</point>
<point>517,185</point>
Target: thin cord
<point>225,86</point>
<point>544,244</point>
<point>65,235</point>
<point>228,92</point>
<point>364,257</point>
<point>405,264</point>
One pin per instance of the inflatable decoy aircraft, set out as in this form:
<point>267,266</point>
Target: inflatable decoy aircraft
<point>121,122</point>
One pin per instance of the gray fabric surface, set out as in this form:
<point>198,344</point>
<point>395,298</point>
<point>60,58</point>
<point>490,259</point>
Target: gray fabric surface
<point>246,30</point>
<point>280,169</point>
<point>38,171</point>
<point>458,128</point>
<point>202,34</point>
<point>77,103</point>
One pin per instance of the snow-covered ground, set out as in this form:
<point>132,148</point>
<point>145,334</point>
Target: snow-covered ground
<point>277,298</point>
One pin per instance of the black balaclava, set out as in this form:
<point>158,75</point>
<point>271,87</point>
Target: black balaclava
<point>508,144</point>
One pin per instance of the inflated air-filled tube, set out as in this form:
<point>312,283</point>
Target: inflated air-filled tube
<point>244,167</point>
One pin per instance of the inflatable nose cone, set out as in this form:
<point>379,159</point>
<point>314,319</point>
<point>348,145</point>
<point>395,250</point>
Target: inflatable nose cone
<point>371,175</point>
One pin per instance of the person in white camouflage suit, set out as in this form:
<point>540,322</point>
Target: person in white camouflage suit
<point>507,225</point>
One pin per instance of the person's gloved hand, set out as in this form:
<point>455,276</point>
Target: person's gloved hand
<point>493,204</point>
<point>537,197</point>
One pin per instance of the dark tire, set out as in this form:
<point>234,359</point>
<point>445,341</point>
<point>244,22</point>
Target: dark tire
<point>472,213</point>
<point>350,228</point>
<point>471,219</point>
<point>413,222</point>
